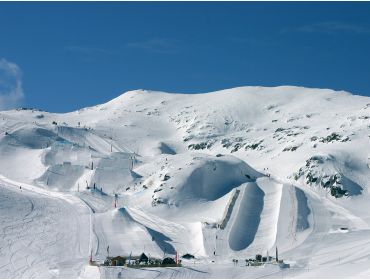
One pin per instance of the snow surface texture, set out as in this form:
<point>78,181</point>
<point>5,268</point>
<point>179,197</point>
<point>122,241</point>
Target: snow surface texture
<point>223,175</point>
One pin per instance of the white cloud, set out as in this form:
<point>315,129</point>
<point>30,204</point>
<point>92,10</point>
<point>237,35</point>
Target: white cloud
<point>11,91</point>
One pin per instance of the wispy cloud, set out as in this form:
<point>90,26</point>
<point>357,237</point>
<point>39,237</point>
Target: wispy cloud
<point>163,45</point>
<point>11,90</point>
<point>330,27</point>
<point>87,50</point>
<point>253,41</point>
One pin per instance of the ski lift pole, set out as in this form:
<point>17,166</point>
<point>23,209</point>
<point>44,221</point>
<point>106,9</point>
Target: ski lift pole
<point>115,200</point>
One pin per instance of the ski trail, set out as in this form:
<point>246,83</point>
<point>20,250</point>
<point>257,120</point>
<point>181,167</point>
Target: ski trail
<point>50,233</point>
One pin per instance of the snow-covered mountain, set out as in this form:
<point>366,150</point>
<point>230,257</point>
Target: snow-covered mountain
<point>222,175</point>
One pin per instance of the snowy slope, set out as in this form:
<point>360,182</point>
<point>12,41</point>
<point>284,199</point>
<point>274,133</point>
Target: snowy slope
<point>220,175</point>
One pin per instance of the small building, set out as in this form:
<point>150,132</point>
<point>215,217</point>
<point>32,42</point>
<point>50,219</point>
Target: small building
<point>188,256</point>
<point>143,258</point>
<point>115,261</point>
<point>118,261</point>
<point>168,261</point>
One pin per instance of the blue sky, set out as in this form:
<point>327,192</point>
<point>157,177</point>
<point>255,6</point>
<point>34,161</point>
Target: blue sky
<point>67,55</point>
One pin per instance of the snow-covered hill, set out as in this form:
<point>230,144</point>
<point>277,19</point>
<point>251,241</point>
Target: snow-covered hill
<point>222,175</point>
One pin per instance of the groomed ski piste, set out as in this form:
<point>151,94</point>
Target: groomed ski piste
<point>222,176</point>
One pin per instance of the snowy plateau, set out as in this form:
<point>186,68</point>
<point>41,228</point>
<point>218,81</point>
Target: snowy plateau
<point>221,176</point>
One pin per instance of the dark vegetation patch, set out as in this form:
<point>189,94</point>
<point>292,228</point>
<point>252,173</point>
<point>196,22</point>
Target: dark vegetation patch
<point>334,137</point>
<point>254,146</point>
<point>313,174</point>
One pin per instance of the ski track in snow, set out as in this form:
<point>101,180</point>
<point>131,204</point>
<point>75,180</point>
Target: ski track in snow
<point>42,235</point>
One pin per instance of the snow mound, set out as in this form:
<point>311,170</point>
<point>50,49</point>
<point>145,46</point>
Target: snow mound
<point>31,137</point>
<point>210,178</point>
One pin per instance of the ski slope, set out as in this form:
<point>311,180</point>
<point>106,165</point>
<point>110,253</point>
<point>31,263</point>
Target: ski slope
<point>223,175</point>
<point>44,234</point>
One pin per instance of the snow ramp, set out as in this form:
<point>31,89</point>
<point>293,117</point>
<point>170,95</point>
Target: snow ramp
<point>248,218</point>
<point>259,216</point>
<point>130,230</point>
<point>118,230</point>
<point>253,226</point>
